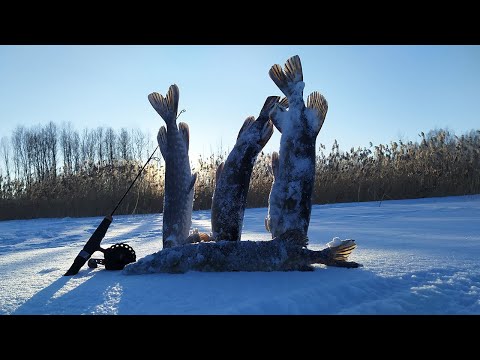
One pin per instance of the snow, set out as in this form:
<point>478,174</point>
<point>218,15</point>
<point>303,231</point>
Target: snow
<point>335,242</point>
<point>419,256</point>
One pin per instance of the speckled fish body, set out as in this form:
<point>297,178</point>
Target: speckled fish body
<point>290,200</point>
<point>173,141</point>
<point>233,176</point>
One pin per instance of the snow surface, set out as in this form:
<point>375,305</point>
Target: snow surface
<point>336,241</point>
<point>419,257</point>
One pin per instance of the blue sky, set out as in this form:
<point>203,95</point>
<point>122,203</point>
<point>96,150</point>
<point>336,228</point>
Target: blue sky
<point>375,93</point>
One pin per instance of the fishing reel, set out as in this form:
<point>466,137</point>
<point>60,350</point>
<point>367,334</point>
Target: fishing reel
<point>115,257</point>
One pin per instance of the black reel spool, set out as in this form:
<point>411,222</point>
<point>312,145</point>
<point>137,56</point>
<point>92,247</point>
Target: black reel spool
<point>115,257</point>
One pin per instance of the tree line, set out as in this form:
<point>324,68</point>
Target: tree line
<point>58,171</point>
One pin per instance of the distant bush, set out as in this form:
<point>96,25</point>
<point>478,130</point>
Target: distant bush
<point>93,193</point>
<point>56,173</point>
<point>441,164</point>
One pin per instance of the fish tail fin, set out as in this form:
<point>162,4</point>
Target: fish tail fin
<point>196,237</point>
<point>166,107</point>
<point>184,130</point>
<point>204,237</point>
<point>286,79</point>
<point>162,141</point>
<point>246,124</point>
<point>268,106</point>
<point>284,102</point>
<point>319,104</point>
<point>342,251</point>
<point>267,132</point>
<point>277,110</point>
<point>218,173</point>
<point>279,78</point>
<point>293,69</point>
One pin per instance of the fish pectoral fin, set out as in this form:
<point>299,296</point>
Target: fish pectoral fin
<point>218,173</point>
<point>162,141</point>
<point>183,127</point>
<point>246,125</point>
<point>166,107</point>
<point>275,164</point>
<point>192,183</point>
<point>319,104</point>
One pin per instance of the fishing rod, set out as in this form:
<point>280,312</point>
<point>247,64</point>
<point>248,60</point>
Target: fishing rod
<point>118,253</point>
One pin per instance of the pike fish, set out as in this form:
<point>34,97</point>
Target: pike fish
<point>179,181</point>
<point>290,200</point>
<point>233,176</point>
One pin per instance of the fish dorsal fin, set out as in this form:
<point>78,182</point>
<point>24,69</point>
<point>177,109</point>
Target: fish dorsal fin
<point>192,183</point>
<point>319,104</point>
<point>275,164</point>
<point>166,107</point>
<point>218,173</point>
<point>268,105</point>
<point>246,124</point>
<point>267,132</point>
<point>162,141</point>
<point>183,128</point>
<point>285,80</point>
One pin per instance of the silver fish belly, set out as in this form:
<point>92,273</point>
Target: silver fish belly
<point>233,176</point>
<point>290,200</point>
<point>179,182</point>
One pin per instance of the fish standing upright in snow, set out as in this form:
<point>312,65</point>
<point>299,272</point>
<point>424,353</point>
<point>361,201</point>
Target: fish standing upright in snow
<point>233,176</point>
<point>179,182</point>
<point>290,200</point>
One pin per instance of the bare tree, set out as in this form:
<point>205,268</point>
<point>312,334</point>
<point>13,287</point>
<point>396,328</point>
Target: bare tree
<point>51,144</point>
<point>76,156</point>
<point>66,140</point>
<point>33,151</point>
<point>88,147</point>
<point>5,150</point>
<point>100,144</point>
<point>124,145</point>
<point>19,155</point>
<point>16,154</point>
<point>110,141</point>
